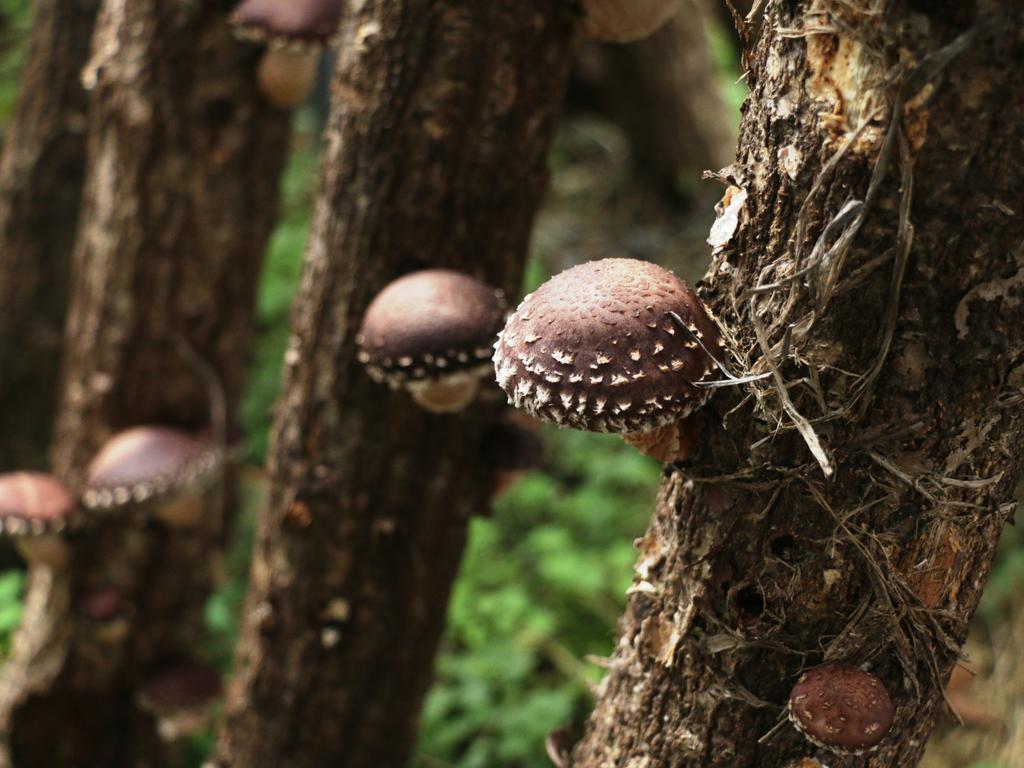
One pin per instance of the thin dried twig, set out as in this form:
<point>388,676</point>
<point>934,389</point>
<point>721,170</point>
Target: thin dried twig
<point>803,426</point>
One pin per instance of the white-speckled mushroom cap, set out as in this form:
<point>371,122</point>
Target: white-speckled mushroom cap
<point>430,326</point>
<point>594,348</point>
<point>33,503</point>
<point>149,462</point>
<point>841,707</point>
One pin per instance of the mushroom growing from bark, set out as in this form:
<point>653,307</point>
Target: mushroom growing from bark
<point>623,21</point>
<point>180,694</point>
<point>166,469</point>
<point>107,612</point>
<point>35,509</point>
<point>431,332</point>
<point>841,708</point>
<point>612,346</point>
<point>295,32</point>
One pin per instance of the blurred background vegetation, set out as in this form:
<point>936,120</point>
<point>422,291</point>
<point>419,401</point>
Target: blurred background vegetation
<point>544,576</point>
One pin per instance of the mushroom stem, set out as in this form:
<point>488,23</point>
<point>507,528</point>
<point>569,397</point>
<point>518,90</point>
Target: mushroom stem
<point>286,77</point>
<point>112,632</point>
<point>43,550</point>
<point>677,441</point>
<point>447,396</point>
<point>179,726</point>
<point>185,511</point>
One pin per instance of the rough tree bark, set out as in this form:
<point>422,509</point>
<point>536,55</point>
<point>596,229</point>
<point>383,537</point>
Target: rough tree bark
<point>41,174</point>
<point>182,192</point>
<point>894,336</point>
<point>665,92</point>
<point>435,155</point>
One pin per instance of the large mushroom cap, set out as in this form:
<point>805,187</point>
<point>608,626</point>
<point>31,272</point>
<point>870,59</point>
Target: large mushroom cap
<point>841,707</point>
<point>429,326</point>
<point>311,21</point>
<point>623,21</point>
<point>31,502</point>
<point>144,462</point>
<point>594,348</point>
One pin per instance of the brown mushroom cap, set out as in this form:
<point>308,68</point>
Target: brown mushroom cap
<point>146,462</point>
<point>430,326</point>
<point>595,349</point>
<point>178,686</point>
<point>287,21</point>
<point>623,21</point>
<point>34,503</point>
<point>103,604</point>
<point>841,707</point>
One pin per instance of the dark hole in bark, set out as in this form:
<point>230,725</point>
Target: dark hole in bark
<point>219,112</point>
<point>784,547</point>
<point>641,606</point>
<point>750,600</point>
<point>904,521</point>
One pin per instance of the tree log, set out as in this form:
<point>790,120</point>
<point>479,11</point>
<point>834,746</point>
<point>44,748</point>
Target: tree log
<point>666,94</point>
<point>848,507</point>
<point>41,175</point>
<point>435,155</point>
<point>184,162</point>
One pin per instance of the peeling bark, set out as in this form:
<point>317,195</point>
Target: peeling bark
<point>894,331</point>
<point>41,175</point>
<point>184,161</point>
<point>435,155</point>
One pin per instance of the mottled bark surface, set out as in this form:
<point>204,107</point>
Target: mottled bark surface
<point>182,192</point>
<point>41,174</point>
<point>895,332</point>
<point>435,155</point>
<point>666,94</point>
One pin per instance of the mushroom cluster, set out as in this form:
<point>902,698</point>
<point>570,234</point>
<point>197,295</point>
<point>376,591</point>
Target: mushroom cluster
<point>295,33</point>
<point>616,345</point>
<point>161,469</point>
<point>623,21</point>
<point>841,707</point>
<point>430,332</point>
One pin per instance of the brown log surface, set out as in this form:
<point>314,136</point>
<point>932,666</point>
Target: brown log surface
<point>41,174</point>
<point>184,160</point>
<point>899,346</point>
<point>435,155</point>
